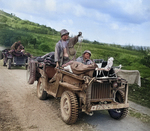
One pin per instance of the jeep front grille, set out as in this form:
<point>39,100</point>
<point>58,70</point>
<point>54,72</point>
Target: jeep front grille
<point>100,91</point>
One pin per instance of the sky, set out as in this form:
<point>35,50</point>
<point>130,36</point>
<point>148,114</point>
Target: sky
<point>121,22</point>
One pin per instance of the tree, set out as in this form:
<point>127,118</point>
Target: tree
<point>146,59</point>
<point>44,47</point>
<point>33,41</point>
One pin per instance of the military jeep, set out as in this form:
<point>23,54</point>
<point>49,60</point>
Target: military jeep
<point>80,93</point>
<point>13,59</point>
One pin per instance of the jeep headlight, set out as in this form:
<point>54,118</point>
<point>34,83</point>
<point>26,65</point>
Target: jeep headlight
<point>115,84</point>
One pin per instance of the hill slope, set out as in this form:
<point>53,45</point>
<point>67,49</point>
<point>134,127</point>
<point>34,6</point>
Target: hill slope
<point>39,39</point>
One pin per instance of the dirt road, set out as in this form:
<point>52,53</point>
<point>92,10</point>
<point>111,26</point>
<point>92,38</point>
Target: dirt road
<point>21,110</point>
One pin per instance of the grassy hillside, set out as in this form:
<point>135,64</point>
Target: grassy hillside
<point>32,35</point>
<point>39,40</point>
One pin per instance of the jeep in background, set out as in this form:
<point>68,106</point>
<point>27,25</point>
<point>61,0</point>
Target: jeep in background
<point>13,59</point>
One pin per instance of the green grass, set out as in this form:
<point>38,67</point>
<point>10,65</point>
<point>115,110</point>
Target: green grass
<point>143,117</point>
<point>140,95</point>
<point>39,40</point>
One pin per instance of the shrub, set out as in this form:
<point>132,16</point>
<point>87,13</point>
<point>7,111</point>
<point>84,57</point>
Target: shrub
<point>44,47</point>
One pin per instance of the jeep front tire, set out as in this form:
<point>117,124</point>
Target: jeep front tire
<point>119,113</point>
<point>69,107</point>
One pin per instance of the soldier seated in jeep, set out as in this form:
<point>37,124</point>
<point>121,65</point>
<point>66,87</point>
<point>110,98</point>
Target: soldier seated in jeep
<point>17,49</point>
<point>85,58</point>
<point>101,67</point>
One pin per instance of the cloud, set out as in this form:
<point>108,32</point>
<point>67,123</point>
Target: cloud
<point>79,11</point>
<point>130,11</point>
<point>50,5</point>
<point>114,26</point>
<point>112,21</point>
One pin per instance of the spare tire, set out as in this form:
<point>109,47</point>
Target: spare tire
<point>31,72</point>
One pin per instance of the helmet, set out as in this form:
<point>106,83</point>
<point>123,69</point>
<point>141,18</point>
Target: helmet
<point>87,51</point>
<point>64,32</point>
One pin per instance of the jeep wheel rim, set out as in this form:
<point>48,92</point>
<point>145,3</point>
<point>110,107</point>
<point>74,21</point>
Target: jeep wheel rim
<point>66,106</point>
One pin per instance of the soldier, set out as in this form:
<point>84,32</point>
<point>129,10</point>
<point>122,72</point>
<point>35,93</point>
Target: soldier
<point>15,46</point>
<point>18,48</point>
<point>85,58</point>
<point>65,48</point>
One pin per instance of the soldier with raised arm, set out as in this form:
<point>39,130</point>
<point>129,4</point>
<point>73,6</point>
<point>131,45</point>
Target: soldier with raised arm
<point>65,48</point>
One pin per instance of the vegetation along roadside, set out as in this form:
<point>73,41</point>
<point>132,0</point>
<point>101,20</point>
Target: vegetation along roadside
<point>40,39</point>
